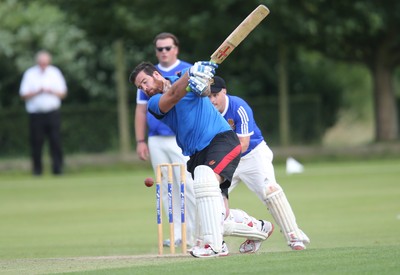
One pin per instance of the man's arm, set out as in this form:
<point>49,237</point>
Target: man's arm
<point>29,95</point>
<point>199,76</point>
<point>177,91</point>
<point>58,87</point>
<point>59,94</point>
<point>244,142</point>
<point>140,131</point>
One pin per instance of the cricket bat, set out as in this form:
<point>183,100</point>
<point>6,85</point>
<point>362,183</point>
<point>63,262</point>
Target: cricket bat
<point>239,34</point>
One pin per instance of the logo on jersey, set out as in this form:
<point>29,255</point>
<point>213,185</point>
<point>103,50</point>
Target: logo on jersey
<point>232,124</point>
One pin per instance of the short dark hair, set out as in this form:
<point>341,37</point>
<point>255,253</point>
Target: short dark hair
<point>145,66</point>
<point>165,35</point>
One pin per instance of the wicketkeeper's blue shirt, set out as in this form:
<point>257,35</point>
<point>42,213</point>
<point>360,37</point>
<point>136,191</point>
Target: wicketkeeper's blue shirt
<point>240,117</point>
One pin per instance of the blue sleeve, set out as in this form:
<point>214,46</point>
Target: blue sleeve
<point>152,106</point>
<point>183,71</point>
<point>243,117</point>
<point>141,97</point>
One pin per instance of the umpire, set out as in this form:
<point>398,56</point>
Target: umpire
<point>42,88</point>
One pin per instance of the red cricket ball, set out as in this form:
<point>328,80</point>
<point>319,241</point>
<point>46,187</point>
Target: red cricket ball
<point>149,182</point>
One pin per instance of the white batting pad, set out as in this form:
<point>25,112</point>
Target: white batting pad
<point>283,214</point>
<point>240,224</point>
<point>209,206</point>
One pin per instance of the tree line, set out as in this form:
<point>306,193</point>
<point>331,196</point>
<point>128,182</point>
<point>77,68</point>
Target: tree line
<point>291,54</point>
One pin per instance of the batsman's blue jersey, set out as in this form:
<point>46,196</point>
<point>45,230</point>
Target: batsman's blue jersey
<point>193,119</point>
<point>156,127</point>
<point>240,118</point>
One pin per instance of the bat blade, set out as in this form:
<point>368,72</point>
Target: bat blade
<point>239,34</point>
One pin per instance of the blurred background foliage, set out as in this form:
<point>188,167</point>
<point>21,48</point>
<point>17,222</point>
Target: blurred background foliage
<point>336,61</point>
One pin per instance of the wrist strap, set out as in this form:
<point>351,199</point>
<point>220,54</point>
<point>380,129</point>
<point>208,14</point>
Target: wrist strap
<point>140,141</point>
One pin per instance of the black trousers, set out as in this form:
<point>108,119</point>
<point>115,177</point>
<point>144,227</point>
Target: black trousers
<point>45,126</point>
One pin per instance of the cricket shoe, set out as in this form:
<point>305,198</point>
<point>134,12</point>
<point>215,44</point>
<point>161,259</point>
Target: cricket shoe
<point>300,243</point>
<point>199,243</point>
<point>207,252</point>
<point>297,246</point>
<point>251,246</point>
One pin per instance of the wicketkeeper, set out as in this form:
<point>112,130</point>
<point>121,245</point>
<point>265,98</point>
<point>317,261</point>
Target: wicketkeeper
<point>255,168</point>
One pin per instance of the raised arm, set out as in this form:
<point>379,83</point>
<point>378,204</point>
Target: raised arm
<point>198,78</point>
<point>173,93</point>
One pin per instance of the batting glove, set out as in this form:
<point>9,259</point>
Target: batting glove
<point>203,69</point>
<point>199,85</point>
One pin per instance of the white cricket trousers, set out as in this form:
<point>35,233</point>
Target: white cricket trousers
<point>256,171</point>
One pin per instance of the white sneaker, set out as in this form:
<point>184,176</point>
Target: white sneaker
<point>224,250</point>
<point>207,252</point>
<point>251,246</point>
<point>299,243</point>
<point>198,244</point>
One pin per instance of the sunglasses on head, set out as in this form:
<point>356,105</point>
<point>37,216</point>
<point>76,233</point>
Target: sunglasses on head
<point>168,48</point>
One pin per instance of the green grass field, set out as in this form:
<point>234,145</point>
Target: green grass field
<point>103,222</point>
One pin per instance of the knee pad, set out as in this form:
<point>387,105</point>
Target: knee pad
<point>205,183</point>
<point>272,188</point>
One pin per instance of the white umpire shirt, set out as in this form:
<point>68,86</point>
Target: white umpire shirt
<point>35,79</point>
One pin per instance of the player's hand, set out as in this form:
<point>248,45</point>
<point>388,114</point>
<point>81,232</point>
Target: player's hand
<point>203,69</point>
<point>143,151</point>
<point>199,85</point>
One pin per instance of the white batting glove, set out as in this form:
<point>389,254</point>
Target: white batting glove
<point>199,85</point>
<point>203,69</point>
